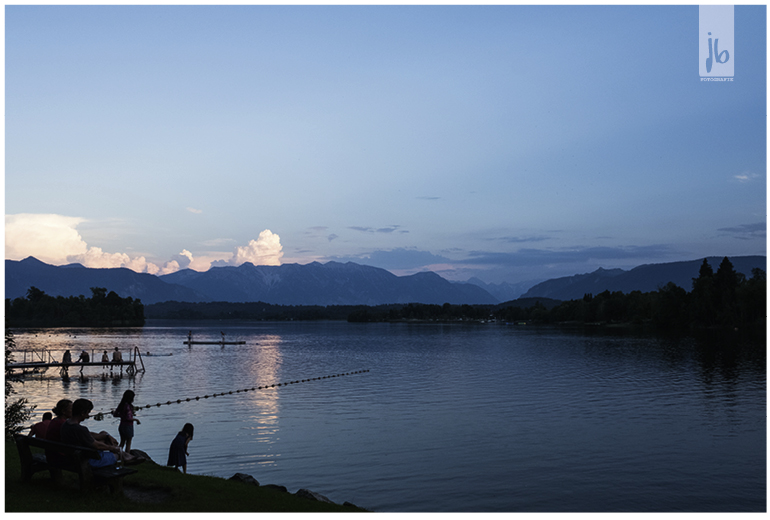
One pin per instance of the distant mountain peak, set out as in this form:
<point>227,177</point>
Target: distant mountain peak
<point>611,272</point>
<point>31,260</point>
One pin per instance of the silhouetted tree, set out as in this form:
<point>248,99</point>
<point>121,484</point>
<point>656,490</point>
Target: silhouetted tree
<point>102,309</point>
<point>726,282</point>
<point>752,300</point>
<point>16,412</point>
<point>704,297</point>
<point>671,307</point>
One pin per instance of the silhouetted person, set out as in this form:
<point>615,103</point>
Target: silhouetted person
<point>38,430</point>
<point>125,411</point>
<point>62,411</point>
<point>73,432</point>
<point>177,453</point>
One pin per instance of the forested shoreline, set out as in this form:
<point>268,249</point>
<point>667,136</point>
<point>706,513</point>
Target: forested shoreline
<point>102,309</point>
<point>723,299</point>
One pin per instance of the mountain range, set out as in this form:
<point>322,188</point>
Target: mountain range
<point>644,278</point>
<point>332,283</point>
<point>336,283</point>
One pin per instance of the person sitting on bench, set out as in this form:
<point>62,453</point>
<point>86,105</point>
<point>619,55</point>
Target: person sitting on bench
<point>73,432</point>
<point>39,429</point>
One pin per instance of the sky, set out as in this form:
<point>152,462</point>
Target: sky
<point>506,143</point>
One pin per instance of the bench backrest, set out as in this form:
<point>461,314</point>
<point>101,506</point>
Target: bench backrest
<point>59,447</point>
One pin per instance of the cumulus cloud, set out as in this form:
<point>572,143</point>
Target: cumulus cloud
<point>265,250</point>
<point>196,211</point>
<point>183,259</point>
<point>96,258</point>
<point>49,238</point>
<point>54,239</point>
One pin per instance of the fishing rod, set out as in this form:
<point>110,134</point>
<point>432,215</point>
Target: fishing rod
<point>100,416</point>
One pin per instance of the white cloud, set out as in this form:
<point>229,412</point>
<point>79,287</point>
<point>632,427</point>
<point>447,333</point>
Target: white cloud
<point>54,239</point>
<point>49,238</point>
<point>97,258</point>
<point>265,250</point>
<point>171,266</point>
<point>745,177</point>
<point>196,211</point>
<point>181,261</point>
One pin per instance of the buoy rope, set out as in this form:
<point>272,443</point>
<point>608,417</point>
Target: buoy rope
<point>99,416</point>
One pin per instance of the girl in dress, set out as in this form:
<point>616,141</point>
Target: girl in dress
<point>125,411</point>
<point>177,453</point>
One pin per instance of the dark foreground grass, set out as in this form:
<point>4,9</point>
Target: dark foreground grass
<point>153,489</point>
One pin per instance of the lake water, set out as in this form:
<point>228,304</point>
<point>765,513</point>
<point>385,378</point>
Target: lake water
<point>448,417</point>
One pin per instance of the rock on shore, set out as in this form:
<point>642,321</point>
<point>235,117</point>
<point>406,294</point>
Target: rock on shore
<point>248,479</point>
<point>304,493</point>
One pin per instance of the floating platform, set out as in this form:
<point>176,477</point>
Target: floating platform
<point>214,342</point>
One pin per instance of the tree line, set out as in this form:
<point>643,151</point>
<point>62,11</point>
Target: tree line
<point>251,311</point>
<point>102,309</point>
<point>722,300</point>
<point>725,299</point>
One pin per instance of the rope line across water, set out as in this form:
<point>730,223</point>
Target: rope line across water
<point>100,415</point>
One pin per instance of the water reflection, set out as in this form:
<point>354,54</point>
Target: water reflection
<point>531,420</point>
<point>263,423</point>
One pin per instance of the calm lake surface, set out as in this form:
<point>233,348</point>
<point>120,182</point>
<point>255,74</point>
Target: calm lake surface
<point>448,418</point>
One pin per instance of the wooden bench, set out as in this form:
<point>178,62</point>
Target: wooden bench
<point>75,459</point>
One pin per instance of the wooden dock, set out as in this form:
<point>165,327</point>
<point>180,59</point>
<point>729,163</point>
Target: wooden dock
<point>133,364</point>
<point>41,364</point>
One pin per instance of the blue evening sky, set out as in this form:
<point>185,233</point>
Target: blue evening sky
<point>509,143</point>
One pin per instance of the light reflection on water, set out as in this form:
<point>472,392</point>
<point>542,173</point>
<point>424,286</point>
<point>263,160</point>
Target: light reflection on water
<point>450,418</point>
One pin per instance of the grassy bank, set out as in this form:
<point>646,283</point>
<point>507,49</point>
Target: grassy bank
<point>153,489</point>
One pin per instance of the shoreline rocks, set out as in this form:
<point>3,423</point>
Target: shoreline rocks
<point>304,493</point>
<point>249,480</point>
